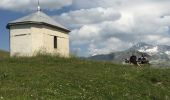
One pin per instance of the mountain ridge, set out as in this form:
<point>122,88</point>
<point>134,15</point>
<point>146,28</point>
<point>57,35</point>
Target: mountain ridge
<point>155,53</point>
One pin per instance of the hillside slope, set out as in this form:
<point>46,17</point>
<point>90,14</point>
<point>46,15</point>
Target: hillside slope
<point>4,54</point>
<point>52,78</point>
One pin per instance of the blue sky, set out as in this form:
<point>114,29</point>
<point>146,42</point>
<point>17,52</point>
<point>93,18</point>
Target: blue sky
<point>5,17</point>
<point>97,26</point>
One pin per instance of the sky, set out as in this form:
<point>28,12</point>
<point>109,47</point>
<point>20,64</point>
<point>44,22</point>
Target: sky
<point>97,26</point>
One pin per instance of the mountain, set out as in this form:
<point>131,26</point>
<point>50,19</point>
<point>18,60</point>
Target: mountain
<point>152,49</point>
<point>155,53</point>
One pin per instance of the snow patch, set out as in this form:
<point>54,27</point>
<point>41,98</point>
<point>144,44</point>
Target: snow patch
<point>167,52</point>
<point>150,51</point>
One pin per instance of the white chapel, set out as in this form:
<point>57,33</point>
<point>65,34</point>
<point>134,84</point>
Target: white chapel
<point>38,33</point>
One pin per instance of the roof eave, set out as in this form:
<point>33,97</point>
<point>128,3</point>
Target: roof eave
<point>39,23</point>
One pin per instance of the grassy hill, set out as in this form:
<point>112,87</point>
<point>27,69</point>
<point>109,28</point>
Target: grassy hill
<point>4,54</point>
<point>53,78</point>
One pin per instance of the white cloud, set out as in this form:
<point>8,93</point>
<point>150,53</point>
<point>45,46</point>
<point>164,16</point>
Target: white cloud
<point>81,17</point>
<point>104,47</point>
<point>86,4</point>
<point>101,38</point>
<point>22,5</point>
<point>84,34</point>
<point>138,21</point>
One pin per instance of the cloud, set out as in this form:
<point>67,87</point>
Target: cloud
<point>101,38</point>
<point>130,22</point>
<point>104,47</point>
<point>86,4</point>
<point>22,5</point>
<point>81,17</point>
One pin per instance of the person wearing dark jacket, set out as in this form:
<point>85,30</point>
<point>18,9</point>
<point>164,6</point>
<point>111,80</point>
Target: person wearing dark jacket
<point>133,60</point>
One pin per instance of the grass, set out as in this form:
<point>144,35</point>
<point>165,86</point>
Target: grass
<point>4,54</point>
<point>54,78</point>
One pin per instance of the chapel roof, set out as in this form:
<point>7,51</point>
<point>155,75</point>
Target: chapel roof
<point>38,18</point>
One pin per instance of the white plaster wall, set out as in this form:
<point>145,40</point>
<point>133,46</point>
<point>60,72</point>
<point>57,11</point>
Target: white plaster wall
<point>39,38</point>
<point>62,41</point>
<point>20,41</point>
<point>48,43</point>
<point>19,29</point>
<point>63,46</point>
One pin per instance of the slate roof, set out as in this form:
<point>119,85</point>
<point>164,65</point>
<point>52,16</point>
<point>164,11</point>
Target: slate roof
<point>38,18</point>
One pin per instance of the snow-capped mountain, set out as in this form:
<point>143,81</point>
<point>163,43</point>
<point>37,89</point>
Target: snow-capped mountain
<point>152,49</point>
<point>155,53</point>
<point>146,48</point>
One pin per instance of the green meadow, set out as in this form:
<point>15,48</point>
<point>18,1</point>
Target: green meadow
<point>55,78</point>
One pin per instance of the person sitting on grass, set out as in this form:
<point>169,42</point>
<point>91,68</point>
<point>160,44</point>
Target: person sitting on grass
<point>133,60</point>
<point>144,60</point>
